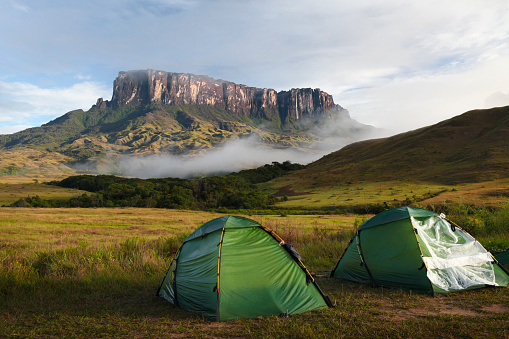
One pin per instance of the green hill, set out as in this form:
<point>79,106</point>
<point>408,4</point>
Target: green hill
<point>471,147</point>
<point>461,160</point>
<point>80,136</point>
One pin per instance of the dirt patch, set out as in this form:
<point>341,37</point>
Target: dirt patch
<point>452,310</point>
<point>144,231</point>
<point>435,307</point>
<point>497,308</point>
<point>286,190</point>
<point>498,193</point>
<point>154,232</point>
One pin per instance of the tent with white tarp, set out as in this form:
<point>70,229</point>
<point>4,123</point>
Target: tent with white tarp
<point>503,258</point>
<point>416,249</point>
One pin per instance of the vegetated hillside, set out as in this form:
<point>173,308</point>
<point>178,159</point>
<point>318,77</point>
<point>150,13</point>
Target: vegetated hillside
<point>155,112</point>
<point>133,129</point>
<point>471,147</point>
<point>234,191</point>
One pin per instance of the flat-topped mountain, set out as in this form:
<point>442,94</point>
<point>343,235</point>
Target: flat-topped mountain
<point>153,112</point>
<point>159,87</point>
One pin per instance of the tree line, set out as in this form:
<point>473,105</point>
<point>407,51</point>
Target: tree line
<point>233,191</point>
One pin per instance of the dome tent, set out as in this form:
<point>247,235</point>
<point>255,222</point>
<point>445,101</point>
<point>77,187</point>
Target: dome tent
<point>232,267</point>
<point>416,249</point>
<point>503,257</point>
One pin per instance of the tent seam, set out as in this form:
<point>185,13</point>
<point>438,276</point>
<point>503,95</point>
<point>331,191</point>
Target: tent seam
<point>359,249</point>
<point>342,255</point>
<point>218,318</point>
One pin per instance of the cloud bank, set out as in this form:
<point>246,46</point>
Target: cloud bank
<point>233,156</point>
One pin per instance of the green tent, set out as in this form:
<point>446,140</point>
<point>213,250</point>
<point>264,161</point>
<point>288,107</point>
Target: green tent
<point>503,258</point>
<point>412,248</point>
<point>233,267</point>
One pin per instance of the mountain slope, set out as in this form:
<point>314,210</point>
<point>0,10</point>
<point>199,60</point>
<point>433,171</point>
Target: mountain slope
<point>471,147</point>
<point>155,112</point>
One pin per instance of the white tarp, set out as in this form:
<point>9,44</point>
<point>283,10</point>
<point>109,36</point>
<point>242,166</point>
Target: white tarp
<point>457,261</point>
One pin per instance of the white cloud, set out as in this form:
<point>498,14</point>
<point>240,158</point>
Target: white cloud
<point>411,102</point>
<point>13,128</point>
<point>497,99</point>
<point>26,105</point>
<point>83,77</point>
<point>233,156</point>
<point>18,6</point>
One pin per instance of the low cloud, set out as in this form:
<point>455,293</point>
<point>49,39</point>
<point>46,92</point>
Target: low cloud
<point>339,130</point>
<point>333,133</point>
<point>26,105</point>
<point>497,99</point>
<point>231,157</point>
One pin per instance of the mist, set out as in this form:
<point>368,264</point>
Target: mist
<point>232,156</point>
<point>332,134</point>
<point>339,129</point>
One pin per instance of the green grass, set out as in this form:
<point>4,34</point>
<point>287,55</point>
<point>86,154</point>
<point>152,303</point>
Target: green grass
<point>347,195</point>
<point>360,196</point>
<point>11,192</point>
<point>94,273</point>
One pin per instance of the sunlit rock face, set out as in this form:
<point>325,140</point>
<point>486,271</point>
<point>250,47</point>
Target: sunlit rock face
<point>144,87</point>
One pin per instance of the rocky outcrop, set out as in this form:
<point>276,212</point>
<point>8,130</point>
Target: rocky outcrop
<point>144,87</point>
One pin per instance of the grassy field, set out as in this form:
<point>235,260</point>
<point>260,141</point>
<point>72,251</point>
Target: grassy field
<point>492,193</point>
<point>95,272</point>
<point>11,192</point>
<point>335,197</point>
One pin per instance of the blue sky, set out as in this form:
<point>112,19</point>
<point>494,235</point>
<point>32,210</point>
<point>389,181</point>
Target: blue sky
<point>394,64</point>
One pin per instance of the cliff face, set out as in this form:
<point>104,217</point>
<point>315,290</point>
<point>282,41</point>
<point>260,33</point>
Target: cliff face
<point>150,86</point>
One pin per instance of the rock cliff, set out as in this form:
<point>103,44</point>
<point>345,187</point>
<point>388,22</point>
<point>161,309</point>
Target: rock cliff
<point>144,87</point>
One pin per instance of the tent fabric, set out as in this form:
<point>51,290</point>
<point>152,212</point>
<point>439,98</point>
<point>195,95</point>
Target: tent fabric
<point>503,257</point>
<point>454,259</point>
<point>257,275</point>
<point>416,249</point>
<point>216,224</point>
<point>395,214</point>
<point>231,267</point>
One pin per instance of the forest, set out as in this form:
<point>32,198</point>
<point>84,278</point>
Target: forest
<point>233,191</point>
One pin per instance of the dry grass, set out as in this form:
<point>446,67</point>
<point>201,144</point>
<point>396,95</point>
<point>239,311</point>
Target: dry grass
<point>94,273</point>
<point>61,227</point>
<point>11,192</point>
<point>33,163</point>
<point>490,193</point>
